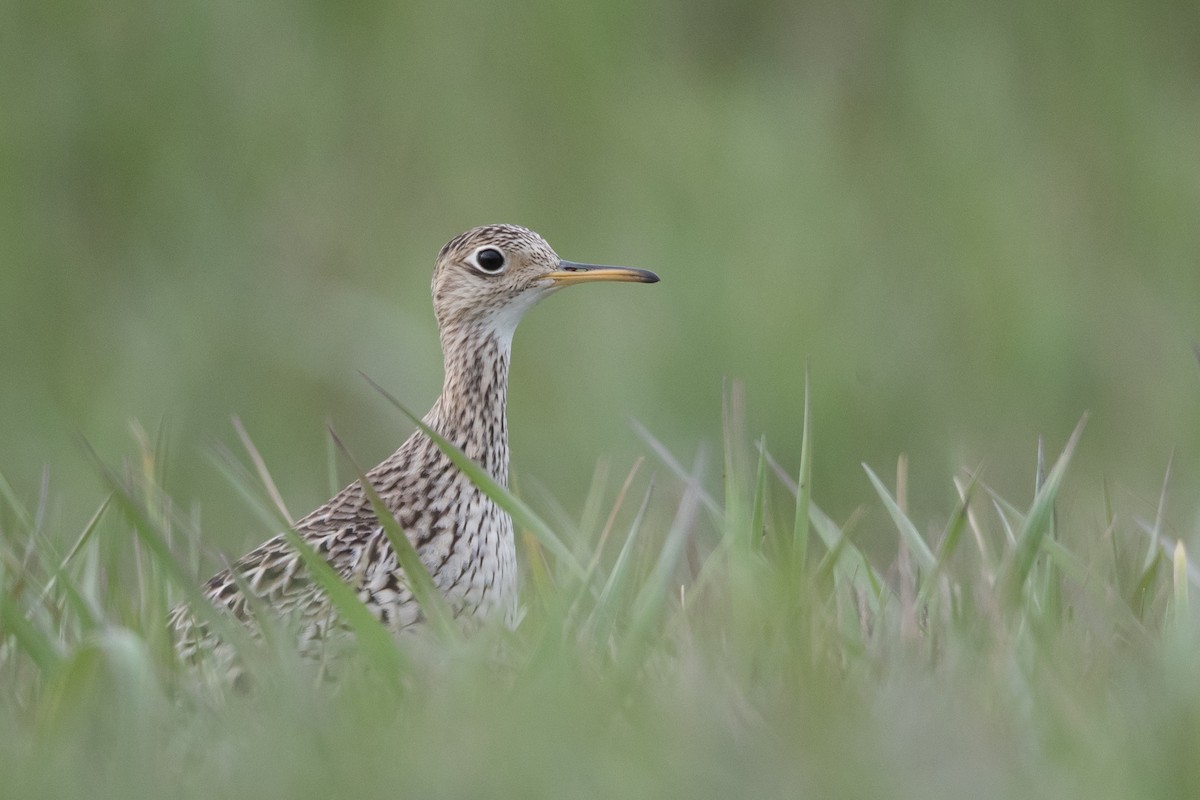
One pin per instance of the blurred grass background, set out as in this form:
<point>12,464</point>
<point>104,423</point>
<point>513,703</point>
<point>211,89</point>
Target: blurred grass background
<point>977,222</point>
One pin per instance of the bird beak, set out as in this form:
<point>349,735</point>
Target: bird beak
<point>569,272</point>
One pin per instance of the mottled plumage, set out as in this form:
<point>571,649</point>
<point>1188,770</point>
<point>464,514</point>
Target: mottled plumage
<point>484,281</point>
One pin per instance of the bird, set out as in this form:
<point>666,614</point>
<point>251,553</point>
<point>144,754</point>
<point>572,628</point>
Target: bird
<point>484,281</point>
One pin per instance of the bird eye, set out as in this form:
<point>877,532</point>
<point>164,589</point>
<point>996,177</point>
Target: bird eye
<point>489,260</point>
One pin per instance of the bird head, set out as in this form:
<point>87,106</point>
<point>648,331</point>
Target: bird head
<point>488,277</point>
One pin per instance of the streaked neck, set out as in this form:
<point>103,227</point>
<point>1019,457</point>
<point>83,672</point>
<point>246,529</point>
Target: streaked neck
<point>472,409</point>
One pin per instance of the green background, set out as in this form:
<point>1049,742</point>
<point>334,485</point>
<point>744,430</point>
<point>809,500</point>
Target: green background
<point>974,221</point>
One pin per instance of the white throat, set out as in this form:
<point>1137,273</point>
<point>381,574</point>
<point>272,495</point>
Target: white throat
<point>504,320</point>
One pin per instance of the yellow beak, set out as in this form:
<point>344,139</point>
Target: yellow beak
<point>569,272</point>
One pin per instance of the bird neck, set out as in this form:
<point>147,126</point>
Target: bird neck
<point>472,409</point>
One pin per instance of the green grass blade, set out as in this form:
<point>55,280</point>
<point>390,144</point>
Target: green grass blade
<point>825,567</point>
<point>604,613</point>
<point>908,531</point>
<point>60,573</point>
<point>521,514</point>
<point>333,482</point>
<point>759,505</point>
<point>241,480</point>
<point>586,586</point>
<point>664,455</point>
<point>1159,515</point>
<point>41,649</point>
<point>373,637</point>
<point>24,518</point>
<point>264,475</point>
<point>589,517</point>
<point>851,564</point>
<point>1038,520</point>
<point>958,523</point>
<point>1011,517</point>
<point>733,433</point>
<point>1179,580</point>
<point>378,646</point>
<point>1070,564</point>
<point>656,588</point>
<point>221,624</point>
<point>420,582</point>
<point>800,527</point>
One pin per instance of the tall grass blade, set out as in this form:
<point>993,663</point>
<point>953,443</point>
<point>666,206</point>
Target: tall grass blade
<point>1038,520</point>
<point>656,588</point>
<point>908,531</point>
<point>1160,514</point>
<point>376,642</point>
<point>589,517</point>
<point>606,531</point>
<point>24,519</point>
<point>604,613</point>
<point>758,513</point>
<point>949,543</point>
<point>264,475</point>
<point>242,481</point>
<point>825,567</point>
<point>800,527</point>
<point>985,554</point>
<point>420,582</point>
<point>521,514</point>
<point>851,564</point>
<point>586,586</point>
<point>1167,548</point>
<point>61,578</point>
<point>42,650</point>
<point>1179,575</point>
<point>664,455</point>
<point>148,533</point>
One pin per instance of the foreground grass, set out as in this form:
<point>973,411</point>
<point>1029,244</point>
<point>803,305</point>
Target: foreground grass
<point>680,639</point>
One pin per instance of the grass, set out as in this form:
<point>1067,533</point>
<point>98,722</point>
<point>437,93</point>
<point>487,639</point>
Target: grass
<point>685,637</point>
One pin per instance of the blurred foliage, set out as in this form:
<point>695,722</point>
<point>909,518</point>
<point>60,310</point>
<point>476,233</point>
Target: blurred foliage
<point>976,222</point>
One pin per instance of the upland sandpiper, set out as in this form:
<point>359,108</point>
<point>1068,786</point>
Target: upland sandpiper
<point>483,283</point>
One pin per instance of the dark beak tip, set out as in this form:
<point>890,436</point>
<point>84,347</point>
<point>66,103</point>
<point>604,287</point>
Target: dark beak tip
<point>613,273</point>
